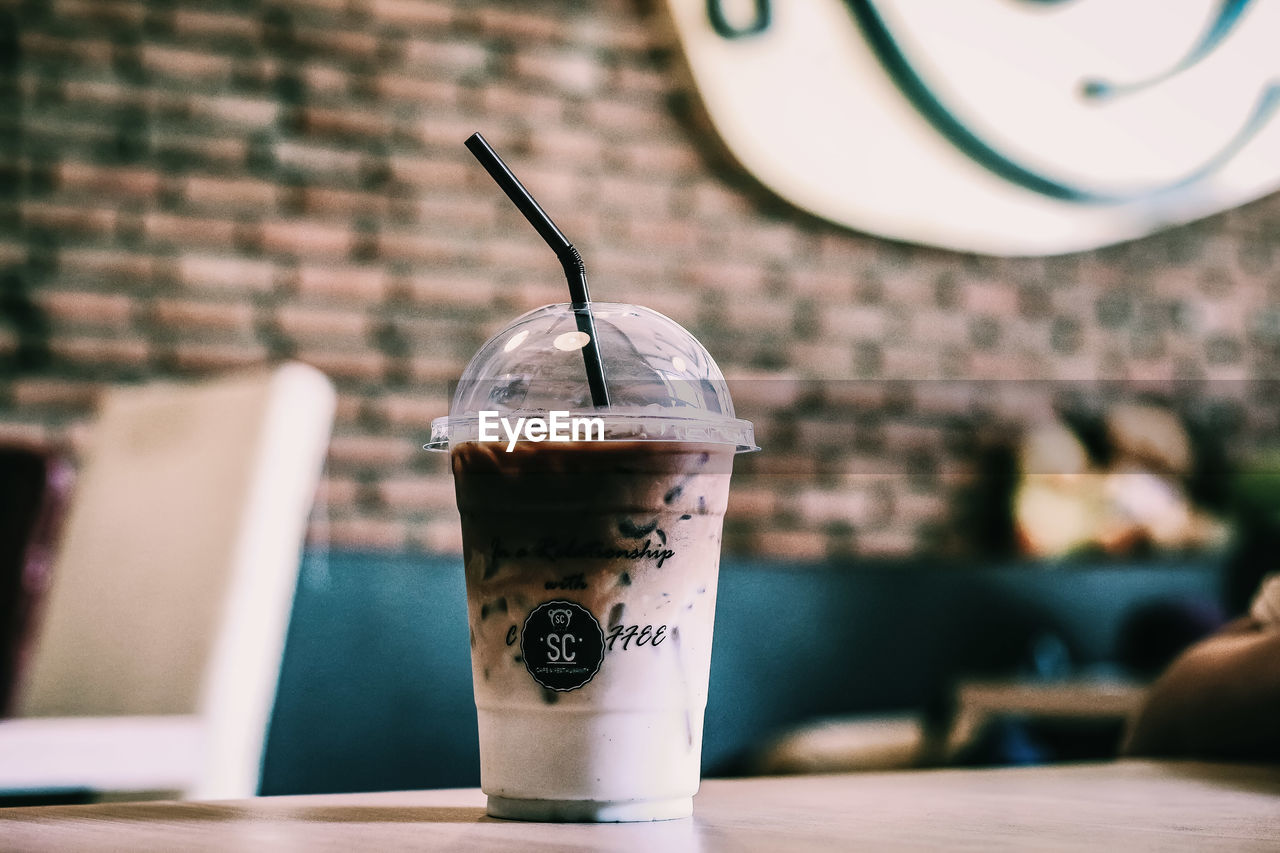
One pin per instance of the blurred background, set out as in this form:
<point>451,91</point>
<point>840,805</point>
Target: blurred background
<point>193,189</point>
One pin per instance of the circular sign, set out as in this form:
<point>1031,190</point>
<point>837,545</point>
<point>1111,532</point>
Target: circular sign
<point>1009,128</point>
<point>562,645</point>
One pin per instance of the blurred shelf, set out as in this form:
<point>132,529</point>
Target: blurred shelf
<point>979,702</point>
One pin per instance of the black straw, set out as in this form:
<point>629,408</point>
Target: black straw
<point>574,269</point>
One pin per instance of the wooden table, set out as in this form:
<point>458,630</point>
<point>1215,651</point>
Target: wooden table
<point>1124,806</point>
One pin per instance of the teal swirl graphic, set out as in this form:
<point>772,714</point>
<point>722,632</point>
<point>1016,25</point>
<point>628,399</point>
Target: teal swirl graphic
<point>905,75</point>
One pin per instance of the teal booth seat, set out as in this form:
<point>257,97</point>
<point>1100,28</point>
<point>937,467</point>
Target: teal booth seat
<point>375,687</point>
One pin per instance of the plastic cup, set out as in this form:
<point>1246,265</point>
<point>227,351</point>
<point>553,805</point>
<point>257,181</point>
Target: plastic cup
<point>591,560</point>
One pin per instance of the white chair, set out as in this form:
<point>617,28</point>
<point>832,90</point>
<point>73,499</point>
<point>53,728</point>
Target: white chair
<point>158,645</point>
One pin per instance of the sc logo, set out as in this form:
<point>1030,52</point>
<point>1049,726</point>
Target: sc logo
<point>561,645</point>
<point>559,648</point>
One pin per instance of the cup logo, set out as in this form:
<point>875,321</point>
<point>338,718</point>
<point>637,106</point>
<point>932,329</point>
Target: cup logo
<point>562,645</point>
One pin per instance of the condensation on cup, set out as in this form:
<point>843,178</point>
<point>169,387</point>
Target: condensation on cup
<point>591,541</point>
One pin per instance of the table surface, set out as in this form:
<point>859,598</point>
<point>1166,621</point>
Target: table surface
<point>1129,805</point>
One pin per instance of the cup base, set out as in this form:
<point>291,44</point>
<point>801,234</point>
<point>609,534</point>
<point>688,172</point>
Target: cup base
<point>590,811</point>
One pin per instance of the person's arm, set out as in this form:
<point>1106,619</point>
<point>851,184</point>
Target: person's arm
<point>1219,699</point>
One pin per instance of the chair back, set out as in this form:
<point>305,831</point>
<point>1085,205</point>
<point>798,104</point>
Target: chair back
<point>174,579</point>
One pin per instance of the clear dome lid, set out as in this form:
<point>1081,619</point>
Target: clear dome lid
<point>663,384</point>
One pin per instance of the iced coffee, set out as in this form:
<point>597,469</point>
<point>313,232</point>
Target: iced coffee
<point>591,566</point>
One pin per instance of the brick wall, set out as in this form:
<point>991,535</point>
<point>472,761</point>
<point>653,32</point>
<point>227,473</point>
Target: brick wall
<point>189,188</point>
